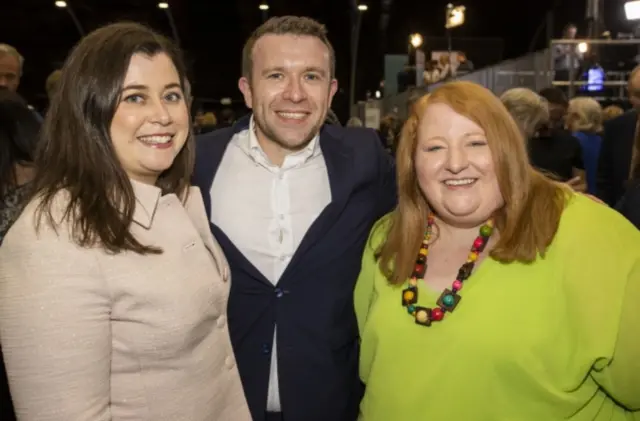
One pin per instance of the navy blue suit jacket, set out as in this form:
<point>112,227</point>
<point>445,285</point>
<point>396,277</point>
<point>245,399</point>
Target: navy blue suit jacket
<point>615,157</point>
<point>312,303</point>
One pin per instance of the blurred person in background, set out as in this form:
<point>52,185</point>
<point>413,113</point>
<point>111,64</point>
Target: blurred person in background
<point>566,57</point>
<point>19,131</point>
<point>618,157</point>
<point>584,120</point>
<point>553,151</point>
<point>113,292</point>
<point>52,82</point>
<point>11,64</point>
<point>354,122</point>
<point>612,111</point>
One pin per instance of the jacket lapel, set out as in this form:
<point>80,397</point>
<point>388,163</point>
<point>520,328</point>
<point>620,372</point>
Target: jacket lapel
<point>209,153</point>
<point>338,156</point>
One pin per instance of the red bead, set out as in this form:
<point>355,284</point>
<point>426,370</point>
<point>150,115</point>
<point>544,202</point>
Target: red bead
<point>478,243</point>
<point>457,285</point>
<point>437,314</point>
<point>419,269</point>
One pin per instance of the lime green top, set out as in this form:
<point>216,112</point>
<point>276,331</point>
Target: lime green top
<point>558,339</point>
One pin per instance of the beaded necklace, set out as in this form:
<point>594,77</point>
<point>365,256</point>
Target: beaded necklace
<point>449,298</point>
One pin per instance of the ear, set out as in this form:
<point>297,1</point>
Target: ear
<point>245,87</point>
<point>333,88</point>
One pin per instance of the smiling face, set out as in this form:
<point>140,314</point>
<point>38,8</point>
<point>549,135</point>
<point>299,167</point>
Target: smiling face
<point>290,90</point>
<point>455,168</point>
<point>151,122</point>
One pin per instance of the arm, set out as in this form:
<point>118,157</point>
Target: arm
<point>54,325</point>
<point>578,181</point>
<point>387,193</point>
<point>621,377</point>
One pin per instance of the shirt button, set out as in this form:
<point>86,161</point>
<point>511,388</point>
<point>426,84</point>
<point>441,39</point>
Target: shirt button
<point>229,362</point>
<point>265,349</point>
<point>279,292</point>
<point>221,322</point>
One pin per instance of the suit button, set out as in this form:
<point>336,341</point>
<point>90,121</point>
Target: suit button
<point>266,350</point>
<point>221,322</point>
<point>279,292</point>
<point>229,362</point>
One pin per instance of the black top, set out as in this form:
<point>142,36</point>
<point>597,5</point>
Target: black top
<point>556,153</point>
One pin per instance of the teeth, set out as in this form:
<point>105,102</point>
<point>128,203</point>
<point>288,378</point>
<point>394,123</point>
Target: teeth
<point>296,116</point>
<point>461,182</point>
<point>155,139</point>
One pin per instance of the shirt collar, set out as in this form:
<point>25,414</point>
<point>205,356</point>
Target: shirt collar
<point>147,198</point>
<point>256,152</point>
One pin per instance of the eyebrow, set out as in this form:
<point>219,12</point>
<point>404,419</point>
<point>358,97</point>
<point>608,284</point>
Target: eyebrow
<point>146,88</point>
<point>466,135</point>
<point>281,69</point>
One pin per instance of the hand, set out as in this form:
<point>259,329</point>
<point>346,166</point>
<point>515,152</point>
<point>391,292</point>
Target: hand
<point>577,184</point>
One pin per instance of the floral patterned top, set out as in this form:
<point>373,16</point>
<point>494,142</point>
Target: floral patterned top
<point>10,207</point>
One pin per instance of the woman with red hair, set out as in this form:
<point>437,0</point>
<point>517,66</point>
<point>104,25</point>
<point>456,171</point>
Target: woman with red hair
<point>492,292</point>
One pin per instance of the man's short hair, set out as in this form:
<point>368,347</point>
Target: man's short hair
<point>6,49</point>
<point>286,25</point>
<point>554,96</point>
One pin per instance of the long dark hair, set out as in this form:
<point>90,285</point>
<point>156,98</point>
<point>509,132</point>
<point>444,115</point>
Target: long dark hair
<point>76,153</point>
<point>19,131</point>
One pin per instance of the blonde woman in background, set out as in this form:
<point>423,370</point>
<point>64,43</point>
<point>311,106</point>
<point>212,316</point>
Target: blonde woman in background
<point>584,120</point>
<point>553,152</point>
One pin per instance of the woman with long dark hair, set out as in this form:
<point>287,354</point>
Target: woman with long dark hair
<point>113,292</point>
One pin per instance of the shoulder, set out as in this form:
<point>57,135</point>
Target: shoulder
<point>379,232</point>
<point>351,133</point>
<point>624,120</point>
<point>43,238</point>
<point>588,228</point>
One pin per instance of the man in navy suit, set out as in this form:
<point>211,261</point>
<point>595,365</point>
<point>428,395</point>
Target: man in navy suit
<point>292,200</point>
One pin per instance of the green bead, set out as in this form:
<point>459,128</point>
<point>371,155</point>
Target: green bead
<point>448,300</point>
<point>486,230</point>
<point>411,309</point>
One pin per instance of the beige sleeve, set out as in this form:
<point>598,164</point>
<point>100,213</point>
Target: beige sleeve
<point>54,327</point>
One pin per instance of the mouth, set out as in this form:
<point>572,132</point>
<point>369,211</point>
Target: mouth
<point>460,182</point>
<point>157,141</point>
<point>292,116</point>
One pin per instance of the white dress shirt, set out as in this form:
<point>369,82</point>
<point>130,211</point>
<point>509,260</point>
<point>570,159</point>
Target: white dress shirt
<point>266,210</point>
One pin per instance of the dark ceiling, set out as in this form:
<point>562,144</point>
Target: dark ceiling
<point>213,31</point>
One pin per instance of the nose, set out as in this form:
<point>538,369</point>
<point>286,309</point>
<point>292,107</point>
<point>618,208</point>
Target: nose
<point>457,160</point>
<point>160,113</point>
<point>295,90</point>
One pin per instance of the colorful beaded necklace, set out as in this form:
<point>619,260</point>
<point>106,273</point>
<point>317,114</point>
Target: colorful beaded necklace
<point>449,298</point>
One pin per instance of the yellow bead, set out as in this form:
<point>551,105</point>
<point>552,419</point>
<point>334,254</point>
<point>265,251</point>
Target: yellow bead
<point>408,295</point>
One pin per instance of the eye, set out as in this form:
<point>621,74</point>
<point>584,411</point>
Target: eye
<point>312,76</point>
<point>478,143</point>
<point>134,99</point>
<point>173,96</point>
<point>275,76</point>
<point>431,148</point>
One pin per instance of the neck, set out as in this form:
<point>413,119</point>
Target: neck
<point>453,234</point>
<point>275,152</point>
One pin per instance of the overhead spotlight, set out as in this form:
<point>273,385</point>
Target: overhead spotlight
<point>263,6</point>
<point>163,5</point>
<point>363,7</point>
<point>61,4</point>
